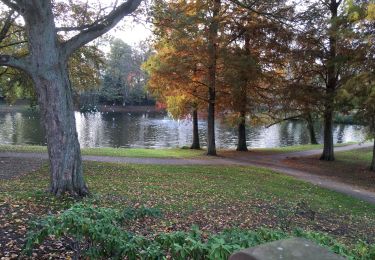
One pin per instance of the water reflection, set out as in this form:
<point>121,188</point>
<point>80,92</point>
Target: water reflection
<point>157,130</point>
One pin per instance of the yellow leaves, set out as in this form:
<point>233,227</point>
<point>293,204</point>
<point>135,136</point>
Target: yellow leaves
<point>177,105</point>
<point>371,12</point>
<point>357,13</point>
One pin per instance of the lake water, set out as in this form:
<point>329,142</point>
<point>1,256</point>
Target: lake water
<point>157,130</point>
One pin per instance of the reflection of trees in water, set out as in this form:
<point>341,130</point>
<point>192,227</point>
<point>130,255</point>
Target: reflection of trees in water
<point>291,131</point>
<point>153,129</point>
<point>340,129</point>
<point>19,128</point>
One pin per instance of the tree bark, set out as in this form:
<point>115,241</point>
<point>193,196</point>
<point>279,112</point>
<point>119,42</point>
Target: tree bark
<point>372,167</point>
<point>310,126</point>
<point>56,106</point>
<point>212,59</point>
<point>242,99</point>
<point>241,145</point>
<point>195,144</point>
<point>328,150</point>
<point>53,87</point>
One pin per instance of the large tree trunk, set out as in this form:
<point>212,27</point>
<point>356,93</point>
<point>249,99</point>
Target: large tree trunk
<point>310,126</point>
<point>241,145</point>
<point>56,107</point>
<point>328,152</point>
<point>372,167</point>
<point>195,144</point>
<point>50,75</point>
<point>212,57</point>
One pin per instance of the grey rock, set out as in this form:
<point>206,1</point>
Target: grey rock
<point>288,249</point>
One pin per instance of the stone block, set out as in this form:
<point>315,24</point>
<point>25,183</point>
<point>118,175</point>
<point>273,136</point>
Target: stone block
<point>289,249</point>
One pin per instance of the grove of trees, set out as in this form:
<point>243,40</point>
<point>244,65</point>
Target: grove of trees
<point>259,61</point>
<point>265,61</point>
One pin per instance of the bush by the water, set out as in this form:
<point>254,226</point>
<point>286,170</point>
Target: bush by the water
<point>101,233</point>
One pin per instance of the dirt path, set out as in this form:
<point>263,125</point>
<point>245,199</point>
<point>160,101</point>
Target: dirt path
<point>269,161</point>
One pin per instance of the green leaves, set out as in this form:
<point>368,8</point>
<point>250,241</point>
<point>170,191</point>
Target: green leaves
<point>100,234</point>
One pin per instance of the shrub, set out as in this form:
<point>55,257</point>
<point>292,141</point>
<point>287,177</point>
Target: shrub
<point>102,234</point>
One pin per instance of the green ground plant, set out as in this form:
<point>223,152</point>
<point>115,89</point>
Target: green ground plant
<point>102,232</point>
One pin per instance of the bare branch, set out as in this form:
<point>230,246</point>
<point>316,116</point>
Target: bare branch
<point>284,119</point>
<point>12,44</point>
<point>7,24</point>
<point>98,29</point>
<point>15,62</point>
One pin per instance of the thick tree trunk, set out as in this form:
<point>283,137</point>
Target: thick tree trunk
<point>195,144</point>
<point>241,145</point>
<point>372,168</point>
<point>56,107</point>
<point>212,54</point>
<point>50,75</point>
<point>310,126</point>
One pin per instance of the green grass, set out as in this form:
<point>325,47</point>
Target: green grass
<point>183,187</point>
<point>297,148</point>
<point>153,153</point>
<point>212,197</point>
<point>360,156</point>
<point>114,152</point>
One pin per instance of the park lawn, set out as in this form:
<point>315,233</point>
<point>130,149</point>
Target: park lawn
<point>156,153</point>
<point>350,167</point>
<point>297,148</point>
<point>114,152</point>
<point>359,156</point>
<point>212,197</point>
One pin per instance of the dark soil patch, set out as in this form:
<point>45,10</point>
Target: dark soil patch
<point>342,171</point>
<point>14,167</point>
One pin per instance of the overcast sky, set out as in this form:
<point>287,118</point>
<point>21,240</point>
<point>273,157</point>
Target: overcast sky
<point>131,32</point>
<point>128,30</point>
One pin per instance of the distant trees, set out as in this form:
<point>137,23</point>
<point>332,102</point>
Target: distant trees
<point>123,80</point>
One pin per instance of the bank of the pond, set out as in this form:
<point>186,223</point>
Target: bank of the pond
<point>160,153</point>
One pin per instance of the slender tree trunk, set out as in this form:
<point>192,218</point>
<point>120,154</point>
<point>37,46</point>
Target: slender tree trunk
<point>195,144</point>
<point>310,126</point>
<point>372,168</point>
<point>241,145</point>
<point>242,99</point>
<point>212,56</point>
<point>53,87</point>
<point>328,150</point>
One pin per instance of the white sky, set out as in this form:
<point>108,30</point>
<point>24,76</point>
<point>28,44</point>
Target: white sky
<point>131,32</point>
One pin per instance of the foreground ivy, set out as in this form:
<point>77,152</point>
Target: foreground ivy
<point>101,232</point>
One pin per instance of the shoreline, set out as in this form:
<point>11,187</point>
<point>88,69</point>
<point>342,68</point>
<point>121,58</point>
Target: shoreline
<point>5,108</point>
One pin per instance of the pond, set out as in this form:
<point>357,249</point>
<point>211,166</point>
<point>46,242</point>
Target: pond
<point>158,130</point>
